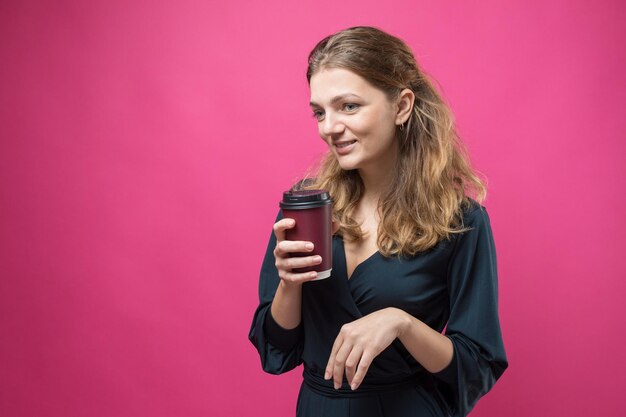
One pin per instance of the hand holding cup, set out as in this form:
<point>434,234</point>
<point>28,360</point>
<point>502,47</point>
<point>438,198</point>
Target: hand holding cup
<point>286,263</point>
<point>304,236</point>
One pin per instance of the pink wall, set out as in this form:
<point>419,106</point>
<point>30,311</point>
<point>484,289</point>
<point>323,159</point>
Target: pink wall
<point>131,134</point>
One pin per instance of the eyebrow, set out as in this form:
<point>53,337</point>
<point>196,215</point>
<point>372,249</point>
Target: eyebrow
<point>336,98</point>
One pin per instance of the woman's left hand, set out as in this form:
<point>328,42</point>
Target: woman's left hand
<point>360,341</point>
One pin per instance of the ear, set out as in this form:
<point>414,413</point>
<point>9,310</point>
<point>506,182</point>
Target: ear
<point>404,105</point>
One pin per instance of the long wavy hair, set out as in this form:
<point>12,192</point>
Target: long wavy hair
<point>433,181</point>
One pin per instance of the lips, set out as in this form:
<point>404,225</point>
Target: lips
<point>344,144</point>
<point>344,147</point>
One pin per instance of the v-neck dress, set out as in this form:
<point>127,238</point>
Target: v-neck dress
<point>452,286</point>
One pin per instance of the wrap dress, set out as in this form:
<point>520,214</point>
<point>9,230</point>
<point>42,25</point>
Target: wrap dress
<point>452,286</point>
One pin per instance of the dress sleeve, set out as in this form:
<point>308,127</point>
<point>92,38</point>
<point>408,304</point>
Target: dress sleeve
<point>473,327</point>
<point>280,349</point>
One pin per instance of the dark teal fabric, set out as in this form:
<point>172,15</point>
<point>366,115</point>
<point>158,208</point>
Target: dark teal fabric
<point>453,284</point>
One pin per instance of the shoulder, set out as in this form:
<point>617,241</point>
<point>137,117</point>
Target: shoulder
<point>474,215</point>
<point>475,232</point>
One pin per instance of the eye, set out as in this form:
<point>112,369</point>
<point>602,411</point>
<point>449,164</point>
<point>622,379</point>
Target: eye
<point>317,114</point>
<point>351,106</point>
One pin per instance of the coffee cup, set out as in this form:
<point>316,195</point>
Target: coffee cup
<point>312,211</point>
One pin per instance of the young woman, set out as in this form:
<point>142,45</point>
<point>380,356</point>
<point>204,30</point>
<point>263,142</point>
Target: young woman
<point>413,251</point>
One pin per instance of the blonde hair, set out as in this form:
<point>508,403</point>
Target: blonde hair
<point>433,181</point>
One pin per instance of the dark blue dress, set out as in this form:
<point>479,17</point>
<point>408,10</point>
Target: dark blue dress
<point>453,284</point>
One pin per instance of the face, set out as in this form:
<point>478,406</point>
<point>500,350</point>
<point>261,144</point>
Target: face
<point>355,119</point>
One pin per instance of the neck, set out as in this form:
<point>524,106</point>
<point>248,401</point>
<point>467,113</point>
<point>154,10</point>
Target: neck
<point>376,182</point>
<point>377,176</point>
<point>375,186</point>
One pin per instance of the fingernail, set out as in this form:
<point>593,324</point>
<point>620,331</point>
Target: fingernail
<point>309,246</point>
<point>336,385</point>
<point>353,387</point>
<point>326,375</point>
<point>317,259</point>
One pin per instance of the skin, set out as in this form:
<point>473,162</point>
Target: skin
<point>369,119</point>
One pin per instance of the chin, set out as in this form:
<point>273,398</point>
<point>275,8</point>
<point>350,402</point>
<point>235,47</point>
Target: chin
<point>348,162</point>
<point>348,165</point>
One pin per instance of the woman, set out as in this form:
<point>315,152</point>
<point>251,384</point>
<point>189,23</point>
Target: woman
<point>412,250</point>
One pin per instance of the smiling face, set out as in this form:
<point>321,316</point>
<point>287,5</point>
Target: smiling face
<point>355,119</point>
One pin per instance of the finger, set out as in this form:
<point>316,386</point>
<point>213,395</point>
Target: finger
<point>282,225</point>
<point>297,278</point>
<point>283,247</point>
<point>295,262</point>
<point>340,363</point>
<point>364,365</point>
<point>352,362</point>
<point>331,360</point>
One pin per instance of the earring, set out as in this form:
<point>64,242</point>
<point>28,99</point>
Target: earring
<point>402,127</point>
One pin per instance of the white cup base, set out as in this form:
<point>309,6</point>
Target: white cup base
<point>323,275</point>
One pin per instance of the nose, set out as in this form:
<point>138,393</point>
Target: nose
<point>331,125</point>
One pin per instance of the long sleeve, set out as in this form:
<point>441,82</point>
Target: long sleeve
<point>473,327</point>
<point>280,349</point>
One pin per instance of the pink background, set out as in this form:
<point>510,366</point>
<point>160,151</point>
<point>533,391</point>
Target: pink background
<point>144,146</point>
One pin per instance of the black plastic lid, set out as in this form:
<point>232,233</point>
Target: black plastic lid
<point>304,199</point>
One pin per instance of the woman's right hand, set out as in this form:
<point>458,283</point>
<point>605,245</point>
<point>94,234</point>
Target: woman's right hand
<point>286,264</point>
